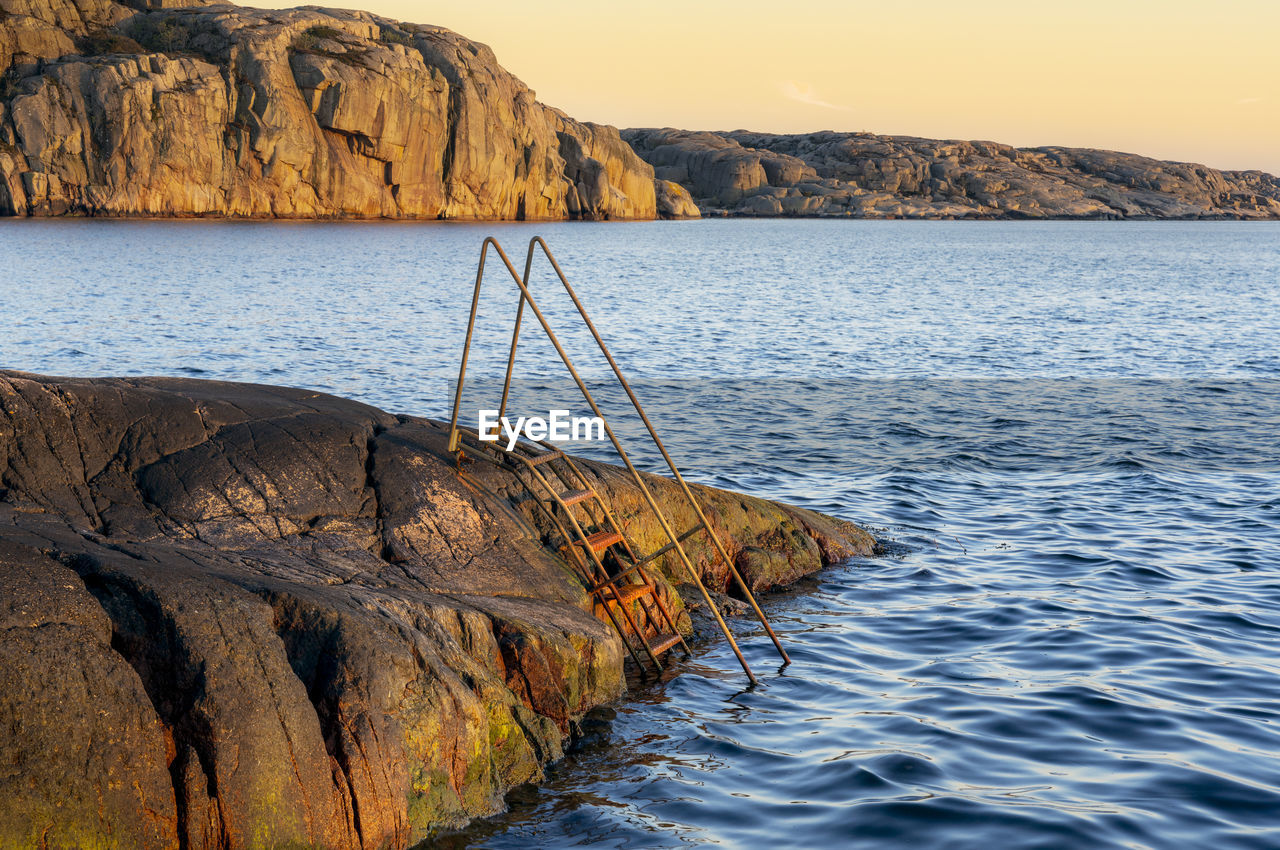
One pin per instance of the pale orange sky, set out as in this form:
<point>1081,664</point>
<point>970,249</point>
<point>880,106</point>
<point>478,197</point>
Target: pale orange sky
<point>1196,81</point>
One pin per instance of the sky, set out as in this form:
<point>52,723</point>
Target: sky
<point>1195,81</point>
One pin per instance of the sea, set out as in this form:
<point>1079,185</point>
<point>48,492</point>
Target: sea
<point>1065,436</point>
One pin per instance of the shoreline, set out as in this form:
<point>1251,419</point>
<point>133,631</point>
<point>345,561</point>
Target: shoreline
<point>291,618</point>
<point>709,216</point>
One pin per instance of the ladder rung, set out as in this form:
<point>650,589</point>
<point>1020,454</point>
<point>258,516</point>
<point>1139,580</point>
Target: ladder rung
<point>544,458</point>
<point>663,644</point>
<point>665,549</point>
<point>640,563</point>
<point>619,577</point>
<point>629,593</point>
<point>574,496</point>
<point>476,442</point>
<point>602,540</point>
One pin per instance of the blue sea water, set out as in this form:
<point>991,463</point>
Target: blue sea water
<point>1065,434</point>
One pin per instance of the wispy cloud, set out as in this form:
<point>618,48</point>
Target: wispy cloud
<point>801,93</point>
<point>1246,100</point>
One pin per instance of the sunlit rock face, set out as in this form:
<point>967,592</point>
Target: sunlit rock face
<point>150,109</point>
<point>861,175</point>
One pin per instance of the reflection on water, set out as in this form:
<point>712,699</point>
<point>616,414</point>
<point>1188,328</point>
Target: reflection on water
<point>1066,430</point>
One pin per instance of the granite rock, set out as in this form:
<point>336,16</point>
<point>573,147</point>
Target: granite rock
<point>674,200</point>
<point>187,108</point>
<point>862,175</point>
<point>237,616</point>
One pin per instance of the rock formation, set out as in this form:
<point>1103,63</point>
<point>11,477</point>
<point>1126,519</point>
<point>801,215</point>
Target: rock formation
<point>862,175</point>
<point>674,201</point>
<point>141,108</point>
<point>238,616</point>
<point>182,107</point>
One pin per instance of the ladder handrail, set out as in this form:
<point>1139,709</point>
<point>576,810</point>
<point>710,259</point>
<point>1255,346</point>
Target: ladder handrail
<point>454,434</point>
<point>653,434</point>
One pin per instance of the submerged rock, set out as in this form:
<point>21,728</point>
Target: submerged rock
<point>193,108</point>
<point>245,616</point>
<point>861,175</point>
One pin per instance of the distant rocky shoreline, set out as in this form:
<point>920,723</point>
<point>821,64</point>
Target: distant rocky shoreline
<point>861,175</point>
<point>188,108</point>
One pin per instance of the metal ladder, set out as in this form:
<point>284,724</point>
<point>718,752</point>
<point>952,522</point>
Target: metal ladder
<point>592,541</point>
<point>627,589</point>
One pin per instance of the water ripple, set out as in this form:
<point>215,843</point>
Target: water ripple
<point>1064,431</point>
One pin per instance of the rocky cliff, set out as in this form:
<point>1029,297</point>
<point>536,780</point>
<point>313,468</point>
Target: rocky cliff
<point>861,175</point>
<point>138,108</point>
<point>238,616</point>
<point>184,107</point>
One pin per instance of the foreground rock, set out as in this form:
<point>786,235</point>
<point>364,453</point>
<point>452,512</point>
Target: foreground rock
<point>125,108</point>
<point>239,616</point>
<point>861,175</point>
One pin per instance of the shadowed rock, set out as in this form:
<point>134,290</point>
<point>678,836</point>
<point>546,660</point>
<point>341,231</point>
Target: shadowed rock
<point>861,175</point>
<point>248,616</point>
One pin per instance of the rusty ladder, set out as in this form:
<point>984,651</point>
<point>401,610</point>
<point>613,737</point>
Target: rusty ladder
<point>562,489</point>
